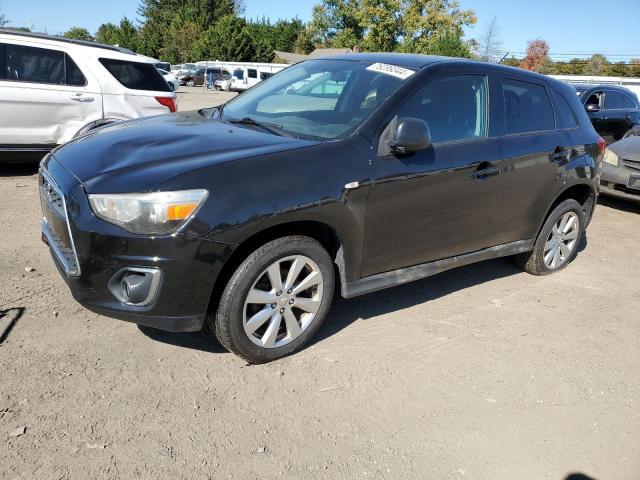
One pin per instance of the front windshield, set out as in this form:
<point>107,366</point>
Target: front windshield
<point>318,99</point>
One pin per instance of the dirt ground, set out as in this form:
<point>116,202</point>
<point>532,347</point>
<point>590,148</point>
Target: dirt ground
<point>483,372</point>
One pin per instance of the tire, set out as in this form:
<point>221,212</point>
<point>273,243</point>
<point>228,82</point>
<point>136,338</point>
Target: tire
<point>236,317</point>
<point>191,83</point>
<point>537,262</point>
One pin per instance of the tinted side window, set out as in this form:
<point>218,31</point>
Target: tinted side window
<point>265,75</point>
<point>616,100</point>
<point>455,107</point>
<point>3,64</point>
<point>136,76</point>
<point>36,65</point>
<point>527,107</point>
<point>74,75</point>
<point>565,117</point>
<point>252,73</point>
<point>239,74</point>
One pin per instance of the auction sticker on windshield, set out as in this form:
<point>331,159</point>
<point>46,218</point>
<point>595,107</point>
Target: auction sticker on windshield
<point>393,70</point>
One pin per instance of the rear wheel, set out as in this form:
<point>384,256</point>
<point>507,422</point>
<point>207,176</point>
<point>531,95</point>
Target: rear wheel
<point>276,300</point>
<point>558,241</point>
<point>191,83</point>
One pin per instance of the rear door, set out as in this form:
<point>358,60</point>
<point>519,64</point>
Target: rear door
<point>530,153</point>
<point>46,97</point>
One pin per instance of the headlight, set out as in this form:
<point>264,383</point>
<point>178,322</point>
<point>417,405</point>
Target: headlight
<point>610,157</point>
<point>157,213</point>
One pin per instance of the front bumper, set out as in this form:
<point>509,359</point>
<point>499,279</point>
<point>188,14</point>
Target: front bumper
<point>620,181</point>
<point>189,266</point>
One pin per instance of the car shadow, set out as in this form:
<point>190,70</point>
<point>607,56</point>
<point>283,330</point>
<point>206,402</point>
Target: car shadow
<point>346,311</point>
<point>8,319</point>
<point>578,476</point>
<point>619,204</point>
<point>25,169</point>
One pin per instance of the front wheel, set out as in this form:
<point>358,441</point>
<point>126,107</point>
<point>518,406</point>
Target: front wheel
<point>276,300</point>
<point>558,241</point>
<point>191,83</point>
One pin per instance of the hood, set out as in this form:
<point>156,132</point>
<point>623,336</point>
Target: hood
<point>150,151</point>
<point>628,148</point>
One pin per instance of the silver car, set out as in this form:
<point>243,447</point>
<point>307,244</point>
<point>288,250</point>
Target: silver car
<point>621,168</point>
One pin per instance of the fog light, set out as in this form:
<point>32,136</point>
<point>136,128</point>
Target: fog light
<point>135,286</point>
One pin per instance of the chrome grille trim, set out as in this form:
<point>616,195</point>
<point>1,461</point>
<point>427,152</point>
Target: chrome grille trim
<point>633,164</point>
<point>53,196</point>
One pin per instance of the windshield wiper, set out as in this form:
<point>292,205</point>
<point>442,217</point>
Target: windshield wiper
<point>269,127</point>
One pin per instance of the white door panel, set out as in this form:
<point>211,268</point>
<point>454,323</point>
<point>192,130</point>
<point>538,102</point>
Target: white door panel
<point>36,114</point>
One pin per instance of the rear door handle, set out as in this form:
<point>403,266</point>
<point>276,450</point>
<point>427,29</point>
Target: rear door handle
<point>485,170</point>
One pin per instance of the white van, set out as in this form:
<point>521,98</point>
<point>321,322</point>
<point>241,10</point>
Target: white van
<point>53,89</point>
<point>246,76</point>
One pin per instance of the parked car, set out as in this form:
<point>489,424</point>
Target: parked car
<point>54,89</point>
<point>192,78</point>
<point>247,75</point>
<point>163,66</point>
<point>613,110</point>
<point>214,75</point>
<point>398,167</point>
<point>170,78</point>
<point>621,168</point>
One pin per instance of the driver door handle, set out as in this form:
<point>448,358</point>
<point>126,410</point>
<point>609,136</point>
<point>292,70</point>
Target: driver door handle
<point>82,99</point>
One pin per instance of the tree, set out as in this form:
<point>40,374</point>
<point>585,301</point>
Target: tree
<point>78,33</point>
<point>227,40</point>
<point>303,43</point>
<point>124,35</point>
<point>3,20</point>
<point>537,55</point>
<point>425,21</point>
<point>449,43</point>
<point>419,26</point>
<point>597,65</point>
<point>162,19</point>
<point>490,44</point>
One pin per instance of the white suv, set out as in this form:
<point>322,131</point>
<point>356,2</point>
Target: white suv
<point>53,89</point>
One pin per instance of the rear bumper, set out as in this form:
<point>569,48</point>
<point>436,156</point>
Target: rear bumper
<point>189,266</point>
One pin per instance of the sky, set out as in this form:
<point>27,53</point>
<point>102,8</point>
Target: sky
<point>572,27</point>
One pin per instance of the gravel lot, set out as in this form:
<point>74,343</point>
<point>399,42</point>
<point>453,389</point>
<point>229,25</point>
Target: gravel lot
<point>483,372</point>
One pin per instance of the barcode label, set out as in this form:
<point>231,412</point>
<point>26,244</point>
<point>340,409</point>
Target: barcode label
<point>393,70</point>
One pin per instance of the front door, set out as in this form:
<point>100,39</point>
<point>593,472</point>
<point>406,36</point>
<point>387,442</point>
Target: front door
<point>435,203</point>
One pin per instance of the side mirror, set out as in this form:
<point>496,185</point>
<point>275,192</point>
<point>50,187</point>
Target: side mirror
<point>411,135</point>
<point>592,107</point>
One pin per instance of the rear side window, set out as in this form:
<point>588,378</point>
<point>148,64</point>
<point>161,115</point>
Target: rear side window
<point>455,108</point>
<point>617,100</point>
<point>527,107</point>
<point>252,73</point>
<point>135,75</point>
<point>265,75</point>
<point>565,117</point>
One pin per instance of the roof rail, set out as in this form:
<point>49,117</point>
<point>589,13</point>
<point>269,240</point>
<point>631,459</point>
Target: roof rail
<point>56,38</point>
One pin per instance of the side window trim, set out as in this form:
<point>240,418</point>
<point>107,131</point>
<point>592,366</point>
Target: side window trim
<point>68,58</point>
<point>549,97</point>
<point>487,120</point>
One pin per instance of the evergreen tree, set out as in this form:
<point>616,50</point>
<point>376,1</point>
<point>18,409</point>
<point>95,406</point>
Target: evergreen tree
<point>227,40</point>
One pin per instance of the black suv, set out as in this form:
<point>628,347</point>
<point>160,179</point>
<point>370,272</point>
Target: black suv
<point>361,172</point>
<point>613,110</point>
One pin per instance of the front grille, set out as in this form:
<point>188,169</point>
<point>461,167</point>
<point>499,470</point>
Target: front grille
<point>633,164</point>
<point>56,231</point>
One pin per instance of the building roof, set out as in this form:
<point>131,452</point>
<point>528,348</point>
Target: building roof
<point>289,57</point>
<point>324,52</point>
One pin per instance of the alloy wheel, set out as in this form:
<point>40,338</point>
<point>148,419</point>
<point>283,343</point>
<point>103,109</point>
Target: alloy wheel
<point>561,240</point>
<point>283,301</point>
